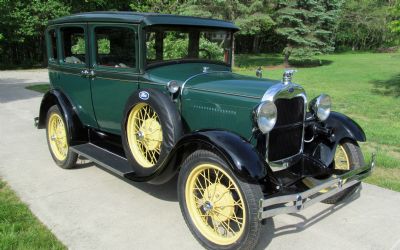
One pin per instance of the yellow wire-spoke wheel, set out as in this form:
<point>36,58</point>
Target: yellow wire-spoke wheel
<point>342,161</point>
<point>215,204</point>
<point>57,136</point>
<point>144,134</point>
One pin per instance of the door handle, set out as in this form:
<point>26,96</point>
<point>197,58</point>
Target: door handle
<point>92,74</point>
<point>85,73</point>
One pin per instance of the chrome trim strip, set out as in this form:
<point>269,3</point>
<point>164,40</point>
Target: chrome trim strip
<point>69,73</point>
<point>62,66</point>
<point>115,79</point>
<point>226,93</point>
<point>118,73</point>
<point>294,203</point>
<point>280,90</point>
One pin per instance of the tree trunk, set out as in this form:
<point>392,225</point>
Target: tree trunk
<point>43,51</point>
<point>287,51</point>
<point>286,59</point>
<point>256,48</point>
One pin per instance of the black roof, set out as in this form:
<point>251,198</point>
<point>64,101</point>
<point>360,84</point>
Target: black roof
<point>147,19</point>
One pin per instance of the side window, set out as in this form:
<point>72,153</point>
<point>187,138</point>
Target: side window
<point>53,45</point>
<point>115,47</point>
<point>73,48</point>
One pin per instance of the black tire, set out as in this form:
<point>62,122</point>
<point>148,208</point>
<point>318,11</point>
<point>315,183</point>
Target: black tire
<point>170,121</point>
<point>251,194</point>
<point>356,160</point>
<point>71,158</point>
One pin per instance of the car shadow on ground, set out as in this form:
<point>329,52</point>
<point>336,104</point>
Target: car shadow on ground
<point>166,191</point>
<point>10,92</point>
<point>269,231</point>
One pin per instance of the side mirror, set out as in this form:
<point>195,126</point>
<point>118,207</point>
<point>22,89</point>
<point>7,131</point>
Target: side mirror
<point>259,72</point>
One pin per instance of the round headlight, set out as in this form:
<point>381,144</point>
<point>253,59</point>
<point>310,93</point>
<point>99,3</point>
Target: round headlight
<point>321,106</point>
<point>266,116</point>
<point>173,86</point>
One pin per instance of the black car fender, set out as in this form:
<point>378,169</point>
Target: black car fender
<point>239,154</point>
<point>341,128</point>
<point>344,127</point>
<point>77,133</point>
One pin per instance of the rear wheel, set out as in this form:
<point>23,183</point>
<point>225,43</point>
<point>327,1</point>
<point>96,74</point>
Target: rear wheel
<point>220,209</point>
<point>348,156</point>
<point>57,139</point>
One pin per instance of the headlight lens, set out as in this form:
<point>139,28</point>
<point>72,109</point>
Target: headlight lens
<point>321,106</point>
<point>266,116</point>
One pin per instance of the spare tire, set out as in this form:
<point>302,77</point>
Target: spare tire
<point>151,126</point>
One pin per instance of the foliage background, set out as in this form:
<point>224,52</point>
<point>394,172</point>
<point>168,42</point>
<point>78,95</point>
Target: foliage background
<point>300,29</point>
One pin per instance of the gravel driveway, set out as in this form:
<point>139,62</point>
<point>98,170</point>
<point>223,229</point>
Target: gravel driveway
<point>88,208</point>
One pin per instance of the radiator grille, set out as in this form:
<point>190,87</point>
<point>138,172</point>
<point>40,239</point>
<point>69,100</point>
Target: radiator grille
<point>285,139</point>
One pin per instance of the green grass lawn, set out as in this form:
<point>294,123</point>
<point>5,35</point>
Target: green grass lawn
<point>42,87</point>
<point>366,87</point>
<point>19,228</point>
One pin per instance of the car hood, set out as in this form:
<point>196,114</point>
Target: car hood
<point>218,79</point>
<point>230,83</point>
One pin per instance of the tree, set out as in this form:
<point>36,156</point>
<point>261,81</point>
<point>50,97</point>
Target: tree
<point>22,26</point>
<point>77,6</point>
<point>363,24</point>
<point>251,16</point>
<point>157,6</point>
<point>395,24</point>
<point>255,21</point>
<point>306,27</point>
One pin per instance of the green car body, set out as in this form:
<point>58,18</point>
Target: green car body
<point>226,94</point>
<point>266,134</point>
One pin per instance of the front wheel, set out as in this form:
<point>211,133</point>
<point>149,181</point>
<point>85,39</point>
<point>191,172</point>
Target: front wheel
<point>348,156</point>
<point>220,210</point>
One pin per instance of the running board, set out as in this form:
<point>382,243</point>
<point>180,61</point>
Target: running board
<point>106,159</point>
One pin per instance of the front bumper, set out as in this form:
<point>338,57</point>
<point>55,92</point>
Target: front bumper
<point>293,203</point>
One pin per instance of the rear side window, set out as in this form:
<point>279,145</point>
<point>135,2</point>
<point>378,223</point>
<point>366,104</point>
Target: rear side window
<point>115,47</point>
<point>74,48</point>
<point>53,45</point>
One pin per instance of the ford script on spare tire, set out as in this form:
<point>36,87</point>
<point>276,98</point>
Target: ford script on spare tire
<point>150,96</point>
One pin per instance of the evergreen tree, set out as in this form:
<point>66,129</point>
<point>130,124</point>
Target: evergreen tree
<point>251,16</point>
<point>395,24</point>
<point>363,24</point>
<point>307,28</point>
<point>157,6</point>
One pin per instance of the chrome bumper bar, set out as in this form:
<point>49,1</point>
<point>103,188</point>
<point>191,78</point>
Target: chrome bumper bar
<point>294,203</point>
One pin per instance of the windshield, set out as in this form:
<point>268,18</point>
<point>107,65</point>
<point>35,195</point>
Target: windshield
<point>171,44</point>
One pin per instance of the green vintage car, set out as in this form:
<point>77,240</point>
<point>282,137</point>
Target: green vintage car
<point>149,96</point>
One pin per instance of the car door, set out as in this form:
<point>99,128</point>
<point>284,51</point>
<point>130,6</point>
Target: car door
<point>115,67</point>
<point>73,70</point>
